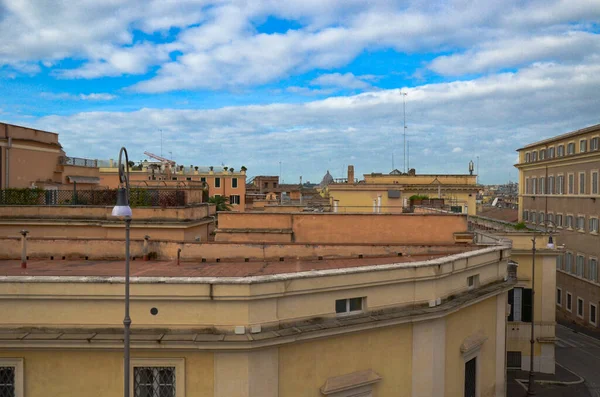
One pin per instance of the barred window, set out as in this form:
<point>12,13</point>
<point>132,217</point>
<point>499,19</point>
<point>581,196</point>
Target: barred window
<point>7,382</point>
<point>154,381</point>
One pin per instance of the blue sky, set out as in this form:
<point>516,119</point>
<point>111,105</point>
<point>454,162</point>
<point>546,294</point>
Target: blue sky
<point>313,84</point>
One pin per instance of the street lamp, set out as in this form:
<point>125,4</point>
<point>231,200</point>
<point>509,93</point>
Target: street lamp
<point>549,245</point>
<point>122,209</point>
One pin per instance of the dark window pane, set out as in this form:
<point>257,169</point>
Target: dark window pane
<point>355,304</point>
<point>340,306</point>
<point>471,377</point>
<point>511,302</point>
<point>7,381</point>
<point>526,315</point>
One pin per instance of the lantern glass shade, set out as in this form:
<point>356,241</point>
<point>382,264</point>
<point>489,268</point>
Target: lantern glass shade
<point>122,209</point>
<point>550,243</point>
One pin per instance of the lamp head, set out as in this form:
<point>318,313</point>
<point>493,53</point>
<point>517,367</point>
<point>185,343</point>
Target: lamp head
<point>122,209</point>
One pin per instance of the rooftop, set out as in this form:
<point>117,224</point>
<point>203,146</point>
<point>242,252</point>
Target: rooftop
<point>195,269</point>
<point>585,130</point>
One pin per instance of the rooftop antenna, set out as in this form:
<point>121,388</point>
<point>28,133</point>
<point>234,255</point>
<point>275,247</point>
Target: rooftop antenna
<point>404,111</point>
<point>477,177</point>
<point>408,155</point>
<point>393,161</point>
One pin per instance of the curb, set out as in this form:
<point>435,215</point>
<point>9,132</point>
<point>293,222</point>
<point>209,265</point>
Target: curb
<point>524,382</point>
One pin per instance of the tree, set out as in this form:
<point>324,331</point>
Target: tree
<point>221,202</point>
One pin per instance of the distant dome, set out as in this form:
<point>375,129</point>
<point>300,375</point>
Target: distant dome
<point>327,180</point>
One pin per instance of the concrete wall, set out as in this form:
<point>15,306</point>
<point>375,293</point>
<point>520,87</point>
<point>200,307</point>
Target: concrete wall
<point>342,228</point>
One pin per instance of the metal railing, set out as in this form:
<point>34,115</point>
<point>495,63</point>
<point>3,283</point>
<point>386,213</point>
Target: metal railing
<point>137,198</point>
<point>78,161</point>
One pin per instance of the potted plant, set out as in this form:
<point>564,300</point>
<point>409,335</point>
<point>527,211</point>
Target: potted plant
<point>196,168</point>
<point>417,199</point>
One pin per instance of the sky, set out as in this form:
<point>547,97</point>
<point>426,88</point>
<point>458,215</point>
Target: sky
<point>304,86</point>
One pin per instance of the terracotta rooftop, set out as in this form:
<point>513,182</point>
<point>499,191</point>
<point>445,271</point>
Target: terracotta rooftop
<point>140,268</point>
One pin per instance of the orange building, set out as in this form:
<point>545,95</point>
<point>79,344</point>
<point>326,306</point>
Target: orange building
<point>223,182</point>
<point>35,158</point>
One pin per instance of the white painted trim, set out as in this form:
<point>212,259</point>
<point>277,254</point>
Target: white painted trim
<point>17,363</point>
<point>178,363</point>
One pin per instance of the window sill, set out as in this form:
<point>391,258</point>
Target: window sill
<point>346,314</point>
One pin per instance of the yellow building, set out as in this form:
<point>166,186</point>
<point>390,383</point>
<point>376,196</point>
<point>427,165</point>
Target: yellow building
<point>518,334</point>
<point>392,192</point>
<point>429,324</point>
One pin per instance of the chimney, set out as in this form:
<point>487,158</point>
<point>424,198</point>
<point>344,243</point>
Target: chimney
<point>350,174</point>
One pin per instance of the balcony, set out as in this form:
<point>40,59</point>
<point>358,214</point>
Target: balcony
<point>77,161</point>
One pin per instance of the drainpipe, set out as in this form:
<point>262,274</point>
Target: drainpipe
<point>145,248</point>
<point>24,249</point>
<point>7,167</point>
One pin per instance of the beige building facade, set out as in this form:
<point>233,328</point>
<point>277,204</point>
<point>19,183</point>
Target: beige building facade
<point>559,184</point>
<point>427,320</point>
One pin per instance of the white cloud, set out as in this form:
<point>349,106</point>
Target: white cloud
<point>346,80</point>
<point>457,150</point>
<point>77,97</point>
<point>487,117</point>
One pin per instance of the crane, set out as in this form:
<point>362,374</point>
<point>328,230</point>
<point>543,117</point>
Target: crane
<point>164,160</point>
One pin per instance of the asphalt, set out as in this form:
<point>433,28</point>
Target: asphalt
<point>577,368</point>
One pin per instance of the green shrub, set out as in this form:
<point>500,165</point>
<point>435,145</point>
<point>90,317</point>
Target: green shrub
<point>419,197</point>
<point>520,226</point>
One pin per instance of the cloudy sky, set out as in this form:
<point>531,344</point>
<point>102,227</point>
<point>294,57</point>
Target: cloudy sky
<point>313,84</point>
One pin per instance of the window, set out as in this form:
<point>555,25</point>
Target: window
<point>153,377</point>
<point>571,148</point>
<point>580,265</point>
<point>234,199</point>
<point>266,185</point>
<point>202,179</point>
<point>559,297</point>
<point>234,182</point>
<point>541,218</point>
<point>550,185</point>
<point>594,183</point>
<point>560,151</point>
<point>593,270</point>
<point>11,377</point>
<point>594,143</point>
<point>525,216</point>
<point>217,182</point>
<point>571,184</point>
<point>542,186</point>
<point>188,178</point>
<point>569,221</point>
<point>473,281</point>
<point>550,219</point>
<point>513,360</point>
<point>519,300</point>
<point>593,314</point>
<point>471,377</point>
<point>275,184</point>
<point>581,223</point>
<point>174,178</point>
<point>583,146</point>
<point>560,184</point>
<point>534,185</point>
<point>558,220</point>
<point>569,262</point>
<point>593,225</point>
<point>582,183</point>
<point>532,216</point>
<point>527,157</point>
<point>579,307</point>
<point>569,301</point>
<point>534,156</point>
<point>348,305</point>
<point>559,262</point>
<point>542,154</point>
<point>551,152</point>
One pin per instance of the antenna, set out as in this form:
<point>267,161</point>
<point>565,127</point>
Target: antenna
<point>161,153</point>
<point>404,111</point>
<point>477,177</point>
<point>408,155</point>
<point>393,161</point>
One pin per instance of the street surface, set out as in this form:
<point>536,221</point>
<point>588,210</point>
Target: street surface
<point>580,354</point>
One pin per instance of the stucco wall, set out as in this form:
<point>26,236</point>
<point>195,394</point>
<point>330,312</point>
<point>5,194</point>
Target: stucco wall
<point>346,228</point>
<point>92,373</point>
<point>304,367</point>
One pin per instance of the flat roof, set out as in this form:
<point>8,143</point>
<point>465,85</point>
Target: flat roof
<point>237,268</point>
<point>29,128</point>
<point>562,136</point>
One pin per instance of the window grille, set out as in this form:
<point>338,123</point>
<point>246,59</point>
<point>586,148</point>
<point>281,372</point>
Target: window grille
<point>154,381</point>
<point>7,382</point>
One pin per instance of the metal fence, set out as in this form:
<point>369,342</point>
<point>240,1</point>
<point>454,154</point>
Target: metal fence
<point>137,197</point>
<point>79,162</point>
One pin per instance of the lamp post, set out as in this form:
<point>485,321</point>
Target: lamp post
<point>123,210</point>
<point>550,245</point>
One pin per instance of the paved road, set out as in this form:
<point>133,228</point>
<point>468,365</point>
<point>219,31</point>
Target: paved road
<point>581,354</point>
